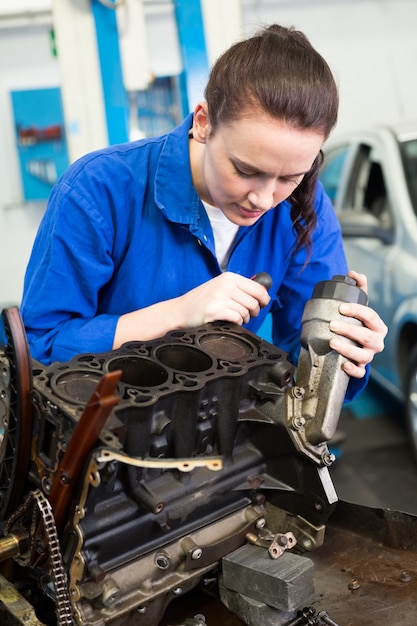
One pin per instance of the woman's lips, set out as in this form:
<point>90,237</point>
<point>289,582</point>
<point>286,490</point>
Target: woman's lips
<point>248,213</point>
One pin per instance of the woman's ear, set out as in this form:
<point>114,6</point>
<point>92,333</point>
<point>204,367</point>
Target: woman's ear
<point>201,122</point>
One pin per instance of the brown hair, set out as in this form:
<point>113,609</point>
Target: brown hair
<point>279,71</point>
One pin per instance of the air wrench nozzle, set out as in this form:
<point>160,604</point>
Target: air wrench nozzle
<point>263,278</point>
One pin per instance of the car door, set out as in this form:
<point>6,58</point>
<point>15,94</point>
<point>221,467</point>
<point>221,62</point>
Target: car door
<point>355,175</point>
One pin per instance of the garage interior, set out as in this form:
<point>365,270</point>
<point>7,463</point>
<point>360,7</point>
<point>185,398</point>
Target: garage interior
<point>371,46</point>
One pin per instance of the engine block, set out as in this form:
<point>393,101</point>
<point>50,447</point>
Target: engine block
<point>140,532</point>
<point>200,440</point>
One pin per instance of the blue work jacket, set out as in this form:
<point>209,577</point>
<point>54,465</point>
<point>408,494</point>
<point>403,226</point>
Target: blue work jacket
<point>125,228</point>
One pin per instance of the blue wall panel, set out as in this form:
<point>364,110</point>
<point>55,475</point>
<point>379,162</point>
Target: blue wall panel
<point>40,139</point>
<point>115,95</point>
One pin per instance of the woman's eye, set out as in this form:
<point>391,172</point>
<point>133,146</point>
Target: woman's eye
<point>292,181</point>
<point>243,174</point>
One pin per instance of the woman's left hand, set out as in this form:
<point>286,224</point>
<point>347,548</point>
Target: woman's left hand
<point>368,338</point>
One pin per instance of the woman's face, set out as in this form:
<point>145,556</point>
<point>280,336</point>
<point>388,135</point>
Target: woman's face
<point>249,166</point>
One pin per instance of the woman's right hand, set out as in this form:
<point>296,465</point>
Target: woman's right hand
<point>228,297</point>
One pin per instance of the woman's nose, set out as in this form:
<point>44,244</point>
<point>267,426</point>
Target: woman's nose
<point>264,196</point>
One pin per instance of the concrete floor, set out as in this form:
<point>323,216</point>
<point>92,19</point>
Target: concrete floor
<point>375,465</point>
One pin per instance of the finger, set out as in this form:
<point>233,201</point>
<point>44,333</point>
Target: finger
<point>360,335</point>
<point>354,370</point>
<point>354,352</point>
<point>255,290</point>
<point>240,298</point>
<point>365,341</point>
<point>235,309</point>
<point>357,358</point>
<point>361,280</point>
<point>228,312</point>
<point>250,304</point>
<point>365,314</point>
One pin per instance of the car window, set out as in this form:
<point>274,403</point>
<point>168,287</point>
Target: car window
<point>367,192</point>
<point>331,172</point>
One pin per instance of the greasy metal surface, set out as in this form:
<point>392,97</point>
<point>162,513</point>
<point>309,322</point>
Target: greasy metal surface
<point>368,578</point>
<point>365,573</point>
<point>361,583</point>
<point>199,602</point>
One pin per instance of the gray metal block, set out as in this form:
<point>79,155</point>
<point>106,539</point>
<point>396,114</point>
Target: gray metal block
<point>286,583</point>
<point>252,612</point>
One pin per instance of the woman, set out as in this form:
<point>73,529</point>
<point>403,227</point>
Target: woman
<point>166,233</point>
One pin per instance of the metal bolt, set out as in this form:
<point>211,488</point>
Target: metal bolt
<point>46,484</point>
<point>297,423</point>
<point>353,584</point>
<point>260,523</point>
<point>65,479</point>
<point>298,392</point>
<point>324,616</point>
<point>307,544</point>
<point>162,560</point>
<point>177,591</point>
<point>110,594</point>
<point>196,554</point>
<point>405,577</point>
<point>304,617</point>
<point>141,610</point>
<point>282,540</point>
<point>328,458</point>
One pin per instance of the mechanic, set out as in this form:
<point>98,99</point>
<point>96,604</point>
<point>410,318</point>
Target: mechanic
<point>166,233</point>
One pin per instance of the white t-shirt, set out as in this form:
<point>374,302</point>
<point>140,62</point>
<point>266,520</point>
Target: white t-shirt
<point>224,232</point>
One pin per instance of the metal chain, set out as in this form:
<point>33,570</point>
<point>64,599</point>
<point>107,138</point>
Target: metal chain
<point>59,578</point>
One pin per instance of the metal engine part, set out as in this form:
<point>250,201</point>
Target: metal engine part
<point>160,458</point>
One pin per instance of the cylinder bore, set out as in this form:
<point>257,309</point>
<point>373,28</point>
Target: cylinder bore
<point>184,358</point>
<point>75,386</point>
<point>139,371</point>
<point>228,347</point>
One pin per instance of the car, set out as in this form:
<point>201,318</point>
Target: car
<point>371,178</point>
